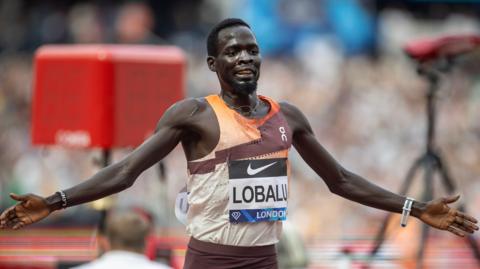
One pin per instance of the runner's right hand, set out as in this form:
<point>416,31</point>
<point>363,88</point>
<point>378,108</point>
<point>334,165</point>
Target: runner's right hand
<point>30,208</point>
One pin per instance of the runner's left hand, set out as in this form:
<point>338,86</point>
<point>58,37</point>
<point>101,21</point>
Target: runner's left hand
<point>439,215</point>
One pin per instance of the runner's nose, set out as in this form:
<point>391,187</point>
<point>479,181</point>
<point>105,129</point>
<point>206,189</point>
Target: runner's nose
<point>245,57</point>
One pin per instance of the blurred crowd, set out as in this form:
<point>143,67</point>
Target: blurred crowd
<point>341,62</point>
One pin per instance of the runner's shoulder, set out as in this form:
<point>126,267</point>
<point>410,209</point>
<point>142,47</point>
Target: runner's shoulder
<point>289,110</point>
<point>189,106</point>
<point>187,109</point>
<point>295,117</point>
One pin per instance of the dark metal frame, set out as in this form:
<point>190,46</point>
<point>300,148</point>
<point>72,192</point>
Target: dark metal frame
<point>431,162</point>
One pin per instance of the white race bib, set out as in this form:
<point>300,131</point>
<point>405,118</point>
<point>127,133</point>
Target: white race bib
<point>258,190</point>
<point>181,205</point>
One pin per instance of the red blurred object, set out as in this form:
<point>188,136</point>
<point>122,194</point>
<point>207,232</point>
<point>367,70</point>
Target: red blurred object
<point>28,265</point>
<point>449,46</point>
<point>103,95</point>
<point>167,248</point>
<point>52,248</point>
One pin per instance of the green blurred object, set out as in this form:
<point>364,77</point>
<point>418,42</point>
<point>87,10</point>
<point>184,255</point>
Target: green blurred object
<point>12,186</point>
<point>291,249</point>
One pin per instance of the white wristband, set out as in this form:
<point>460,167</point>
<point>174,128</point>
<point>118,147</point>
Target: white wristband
<point>407,208</point>
<point>64,199</point>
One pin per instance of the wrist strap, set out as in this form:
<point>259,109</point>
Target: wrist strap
<point>64,199</point>
<point>407,208</point>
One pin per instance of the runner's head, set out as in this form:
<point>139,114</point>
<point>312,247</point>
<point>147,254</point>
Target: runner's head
<point>126,230</point>
<point>233,53</point>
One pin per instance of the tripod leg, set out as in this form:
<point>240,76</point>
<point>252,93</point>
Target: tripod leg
<point>451,188</point>
<point>421,248</point>
<point>403,190</point>
<point>474,246</point>
<point>430,165</point>
<point>445,175</point>
<point>411,174</point>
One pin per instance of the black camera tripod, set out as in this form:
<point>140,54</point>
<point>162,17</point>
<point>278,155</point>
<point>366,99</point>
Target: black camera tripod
<point>430,162</point>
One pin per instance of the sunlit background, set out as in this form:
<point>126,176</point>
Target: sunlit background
<point>341,61</point>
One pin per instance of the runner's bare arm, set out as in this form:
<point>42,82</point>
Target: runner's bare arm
<point>112,179</point>
<point>353,187</point>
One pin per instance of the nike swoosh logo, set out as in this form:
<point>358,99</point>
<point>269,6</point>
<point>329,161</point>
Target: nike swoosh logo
<point>255,171</point>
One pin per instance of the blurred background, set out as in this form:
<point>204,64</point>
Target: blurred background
<point>340,61</point>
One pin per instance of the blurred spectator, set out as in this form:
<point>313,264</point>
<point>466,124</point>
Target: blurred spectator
<point>134,24</point>
<point>126,233</point>
<point>84,24</point>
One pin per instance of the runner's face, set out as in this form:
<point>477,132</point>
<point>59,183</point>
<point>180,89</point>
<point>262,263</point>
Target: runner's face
<point>238,60</point>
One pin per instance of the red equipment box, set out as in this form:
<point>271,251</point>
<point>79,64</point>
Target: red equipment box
<point>103,95</point>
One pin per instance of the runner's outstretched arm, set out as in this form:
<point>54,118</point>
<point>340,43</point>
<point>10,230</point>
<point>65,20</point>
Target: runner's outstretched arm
<point>111,179</point>
<point>340,181</point>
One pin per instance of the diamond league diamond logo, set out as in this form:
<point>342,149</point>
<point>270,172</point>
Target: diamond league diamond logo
<point>236,215</point>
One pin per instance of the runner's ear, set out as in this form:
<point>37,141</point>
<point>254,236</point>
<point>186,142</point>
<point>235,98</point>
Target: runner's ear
<point>211,63</point>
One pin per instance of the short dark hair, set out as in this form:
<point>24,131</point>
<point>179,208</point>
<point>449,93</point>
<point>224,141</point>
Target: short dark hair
<point>126,229</point>
<point>212,39</point>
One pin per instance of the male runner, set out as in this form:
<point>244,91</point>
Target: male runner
<point>236,144</point>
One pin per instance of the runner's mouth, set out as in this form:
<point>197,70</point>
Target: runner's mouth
<point>245,73</point>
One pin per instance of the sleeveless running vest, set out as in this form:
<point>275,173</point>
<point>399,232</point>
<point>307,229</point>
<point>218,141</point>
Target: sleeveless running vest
<point>237,194</point>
